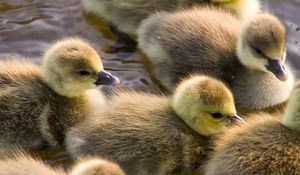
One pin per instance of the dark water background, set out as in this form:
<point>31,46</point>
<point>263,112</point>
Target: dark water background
<point>28,27</point>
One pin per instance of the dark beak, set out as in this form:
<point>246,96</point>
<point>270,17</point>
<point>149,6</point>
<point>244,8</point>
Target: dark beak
<point>277,69</point>
<point>106,78</point>
<point>236,119</point>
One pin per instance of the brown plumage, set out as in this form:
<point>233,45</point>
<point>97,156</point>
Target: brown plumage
<point>248,56</point>
<point>149,134</point>
<point>126,15</point>
<point>37,105</point>
<point>265,146</point>
<point>22,164</point>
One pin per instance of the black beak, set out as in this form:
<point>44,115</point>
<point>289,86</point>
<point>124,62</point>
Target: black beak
<point>277,69</point>
<point>237,119</point>
<point>106,78</point>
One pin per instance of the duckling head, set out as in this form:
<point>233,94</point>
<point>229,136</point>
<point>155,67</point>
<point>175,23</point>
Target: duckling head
<point>96,166</point>
<point>261,45</point>
<point>72,66</point>
<point>291,117</point>
<point>206,105</point>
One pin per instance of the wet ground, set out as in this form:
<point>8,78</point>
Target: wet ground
<point>28,27</point>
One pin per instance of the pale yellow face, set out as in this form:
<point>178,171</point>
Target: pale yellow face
<point>213,118</point>
<point>71,67</point>
<point>205,104</point>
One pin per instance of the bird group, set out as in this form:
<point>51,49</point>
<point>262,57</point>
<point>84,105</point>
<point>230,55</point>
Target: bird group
<point>216,60</point>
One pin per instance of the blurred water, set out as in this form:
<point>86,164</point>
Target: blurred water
<point>28,27</point>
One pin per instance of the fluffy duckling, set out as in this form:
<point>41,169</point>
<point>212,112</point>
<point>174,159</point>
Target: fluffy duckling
<point>22,164</point>
<point>126,15</point>
<point>250,59</point>
<point>37,105</point>
<point>264,146</point>
<point>150,134</point>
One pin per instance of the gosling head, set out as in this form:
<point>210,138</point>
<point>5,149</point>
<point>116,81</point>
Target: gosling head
<point>206,105</point>
<point>261,45</point>
<point>72,66</point>
<point>96,166</point>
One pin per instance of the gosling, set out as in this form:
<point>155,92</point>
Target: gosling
<point>22,164</point>
<point>149,134</point>
<point>250,60</point>
<point>264,146</point>
<point>126,15</point>
<point>38,105</point>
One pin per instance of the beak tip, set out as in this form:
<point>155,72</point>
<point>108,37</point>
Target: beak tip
<point>116,82</point>
<point>283,77</point>
<point>237,119</point>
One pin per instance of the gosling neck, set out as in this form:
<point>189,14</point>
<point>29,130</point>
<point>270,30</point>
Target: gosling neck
<point>291,118</point>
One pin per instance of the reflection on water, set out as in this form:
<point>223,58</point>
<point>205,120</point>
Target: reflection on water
<point>28,27</point>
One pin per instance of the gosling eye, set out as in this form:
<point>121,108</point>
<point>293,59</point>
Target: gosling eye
<point>217,115</point>
<point>84,72</point>
<point>258,51</point>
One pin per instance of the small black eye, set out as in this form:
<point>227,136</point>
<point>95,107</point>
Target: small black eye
<point>217,115</point>
<point>84,72</point>
<point>258,51</point>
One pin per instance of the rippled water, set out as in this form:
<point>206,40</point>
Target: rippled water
<point>28,27</point>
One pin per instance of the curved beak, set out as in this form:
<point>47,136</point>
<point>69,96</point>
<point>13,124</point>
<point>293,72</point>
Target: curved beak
<point>277,69</point>
<point>106,78</point>
<point>237,119</point>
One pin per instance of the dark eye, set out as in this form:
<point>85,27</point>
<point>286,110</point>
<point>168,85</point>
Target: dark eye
<point>258,51</point>
<point>84,72</point>
<point>217,115</point>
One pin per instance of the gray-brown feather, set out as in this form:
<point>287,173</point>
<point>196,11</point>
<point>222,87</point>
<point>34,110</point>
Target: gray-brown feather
<point>127,15</point>
<point>263,147</point>
<point>24,102</point>
<point>25,165</point>
<point>198,40</point>
<point>142,134</point>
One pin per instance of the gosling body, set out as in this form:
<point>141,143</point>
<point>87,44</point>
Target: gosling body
<point>22,164</point>
<point>37,105</point>
<point>198,40</point>
<point>145,135</point>
<point>265,146</point>
<point>31,112</point>
<point>128,14</point>
<point>26,165</point>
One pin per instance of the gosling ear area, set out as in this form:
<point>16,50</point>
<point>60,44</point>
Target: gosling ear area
<point>277,69</point>
<point>106,78</point>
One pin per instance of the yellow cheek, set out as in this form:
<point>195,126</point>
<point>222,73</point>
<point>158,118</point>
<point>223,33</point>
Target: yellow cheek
<point>208,126</point>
